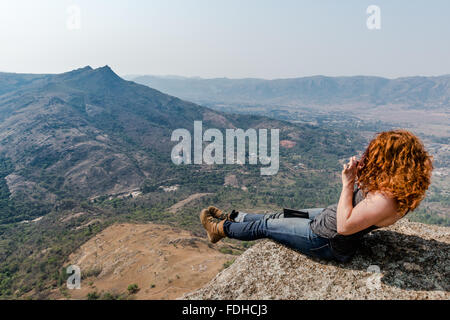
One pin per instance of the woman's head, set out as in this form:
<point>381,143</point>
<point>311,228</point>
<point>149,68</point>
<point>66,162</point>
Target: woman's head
<point>396,163</point>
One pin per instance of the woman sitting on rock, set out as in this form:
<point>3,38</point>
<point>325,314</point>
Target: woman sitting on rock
<point>392,177</point>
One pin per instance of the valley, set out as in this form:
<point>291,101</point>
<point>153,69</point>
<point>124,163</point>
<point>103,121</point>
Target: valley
<point>359,105</point>
<point>86,156</point>
<point>84,150</point>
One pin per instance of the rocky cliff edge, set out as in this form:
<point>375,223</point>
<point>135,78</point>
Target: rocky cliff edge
<point>405,261</point>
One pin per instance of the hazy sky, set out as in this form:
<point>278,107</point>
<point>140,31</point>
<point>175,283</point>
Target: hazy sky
<point>227,38</point>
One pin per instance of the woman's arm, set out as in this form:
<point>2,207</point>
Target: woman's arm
<point>345,204</point>
<point>344,208</point>
<point>370,211</point>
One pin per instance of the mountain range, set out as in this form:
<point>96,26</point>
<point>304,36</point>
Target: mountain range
<point>367,91</point>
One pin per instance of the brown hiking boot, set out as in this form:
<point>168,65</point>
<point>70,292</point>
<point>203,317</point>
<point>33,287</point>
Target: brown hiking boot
<point>219,214</point>
<point>213,228</point>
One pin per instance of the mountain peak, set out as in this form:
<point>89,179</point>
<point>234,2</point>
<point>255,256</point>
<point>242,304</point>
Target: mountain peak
<point>105,69</point>
<point>107,73</point>
<point>88,70</point>
<point>88,78</point>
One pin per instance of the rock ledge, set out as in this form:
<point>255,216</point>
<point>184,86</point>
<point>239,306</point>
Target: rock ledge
<point>405,261</point>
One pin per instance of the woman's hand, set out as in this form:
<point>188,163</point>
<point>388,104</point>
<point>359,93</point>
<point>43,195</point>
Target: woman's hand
<point>349,173</point>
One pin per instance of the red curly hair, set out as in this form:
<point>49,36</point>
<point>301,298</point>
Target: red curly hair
<point>396,163</point>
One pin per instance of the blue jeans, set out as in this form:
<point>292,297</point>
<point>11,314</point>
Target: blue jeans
<point>295,233</point>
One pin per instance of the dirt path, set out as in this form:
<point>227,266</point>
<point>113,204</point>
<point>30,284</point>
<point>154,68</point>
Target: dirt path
<point>182,203</point>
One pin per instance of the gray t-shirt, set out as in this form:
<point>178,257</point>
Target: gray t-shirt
<point>325,226</point>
